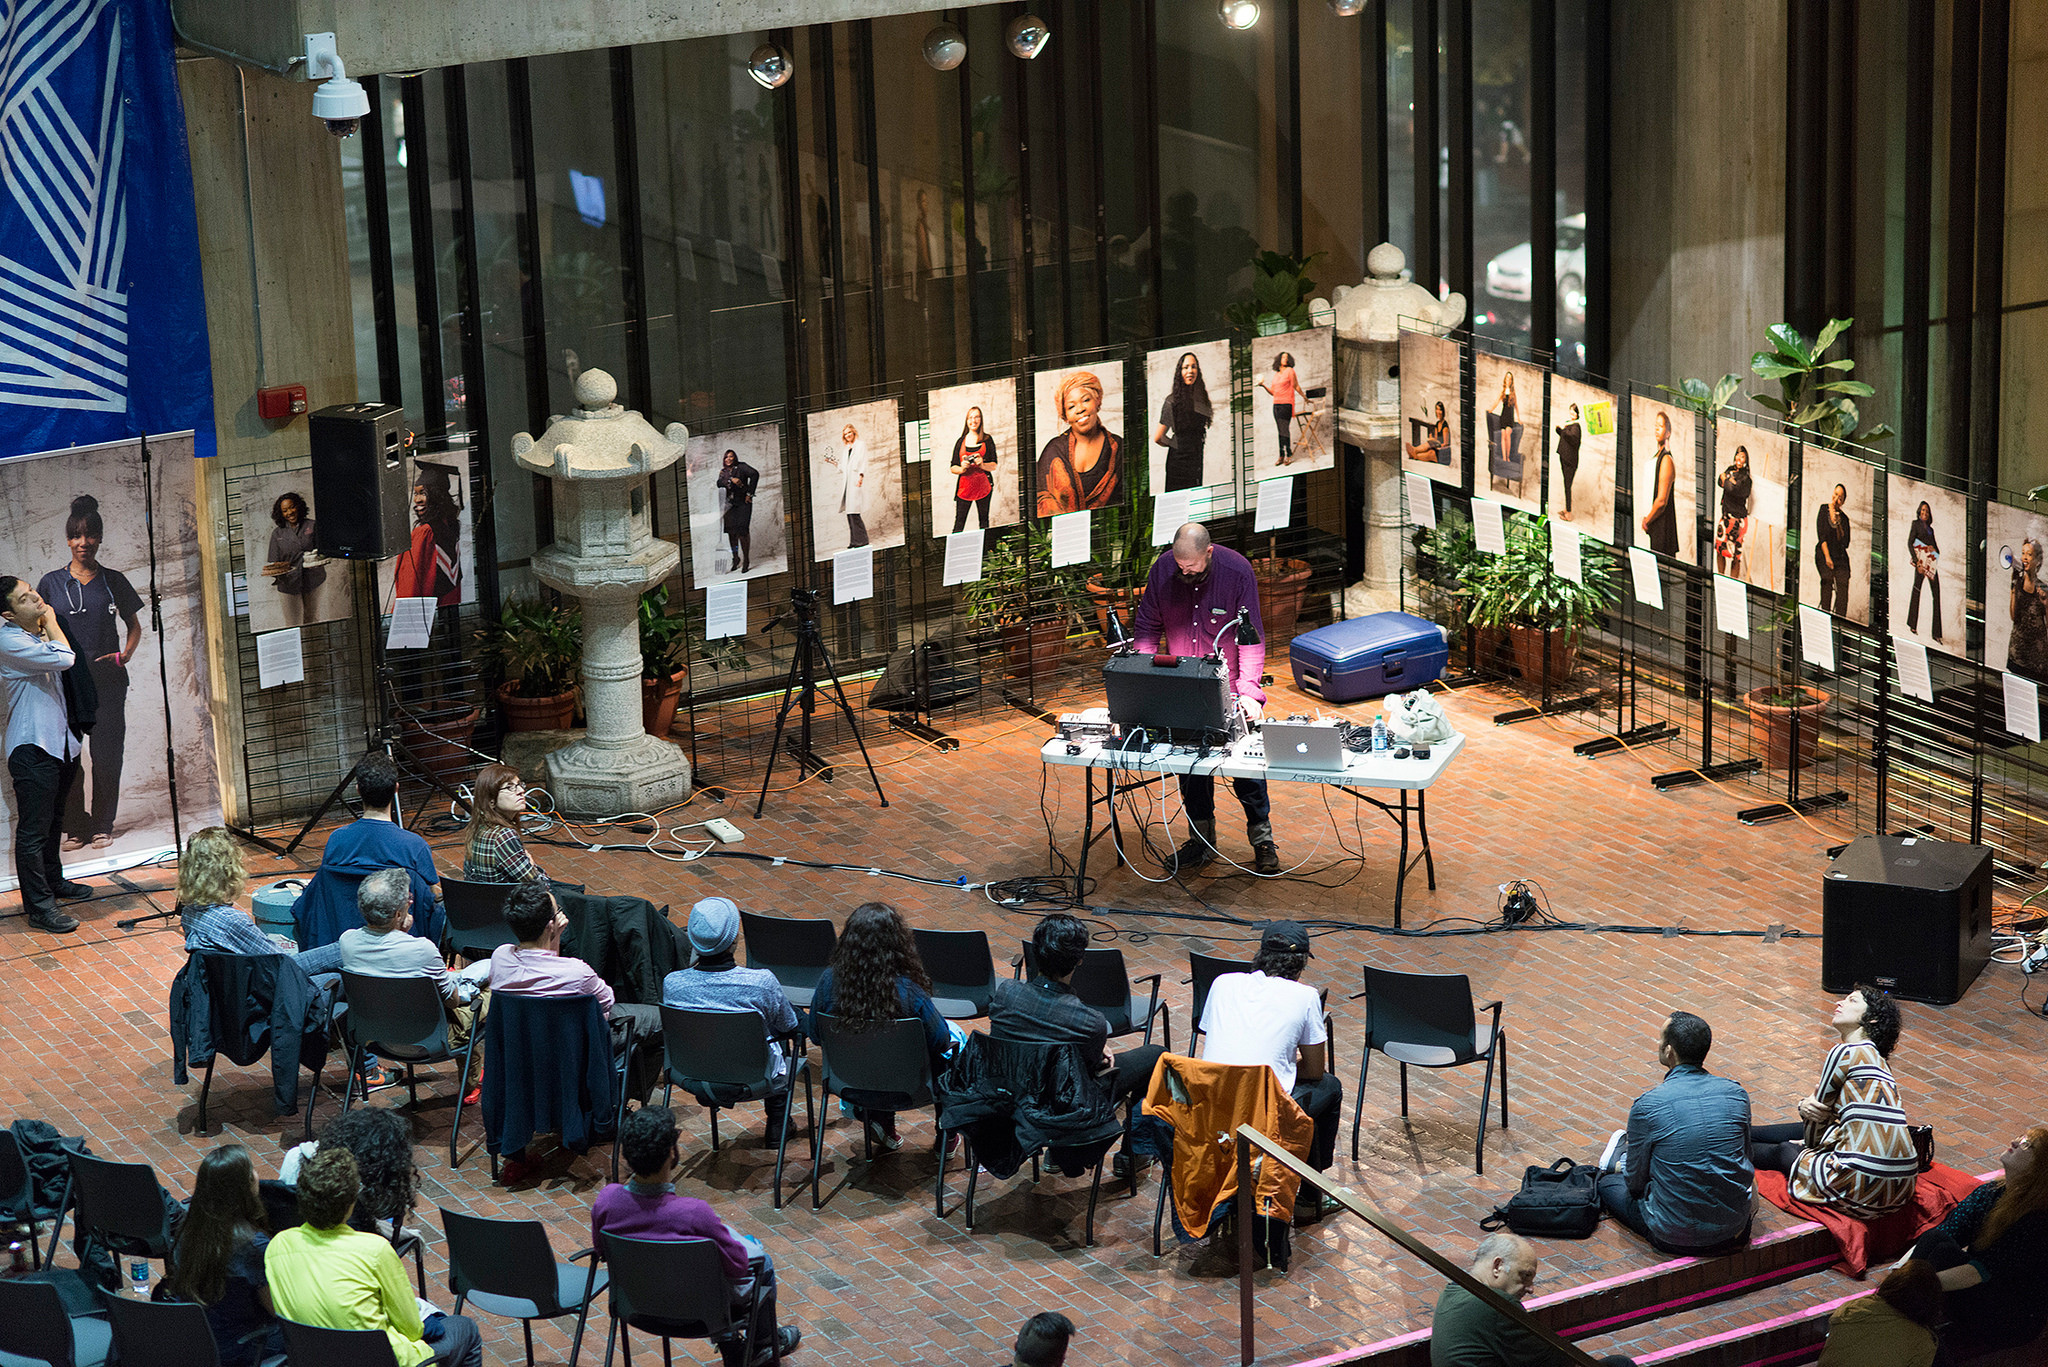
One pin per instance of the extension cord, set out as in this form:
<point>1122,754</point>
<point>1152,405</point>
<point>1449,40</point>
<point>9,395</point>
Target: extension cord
<point>723,831</point>
<point>2037,960</point>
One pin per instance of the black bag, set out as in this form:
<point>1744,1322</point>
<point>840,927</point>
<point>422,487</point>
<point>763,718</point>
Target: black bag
<point>1561,1201</point>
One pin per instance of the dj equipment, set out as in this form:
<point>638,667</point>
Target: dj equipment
<point>1907,914</point>
<point>1091,725</point>
<point>360,503</point>
<point>1316,747</point>
<point>1177,698</point>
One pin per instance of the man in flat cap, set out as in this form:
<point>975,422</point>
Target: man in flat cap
<point>715,981</point>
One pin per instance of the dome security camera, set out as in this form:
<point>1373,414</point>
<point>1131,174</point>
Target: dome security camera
<point>340,103</point>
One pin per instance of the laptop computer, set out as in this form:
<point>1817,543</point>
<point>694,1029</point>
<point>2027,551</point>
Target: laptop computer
<point>1303,745</point>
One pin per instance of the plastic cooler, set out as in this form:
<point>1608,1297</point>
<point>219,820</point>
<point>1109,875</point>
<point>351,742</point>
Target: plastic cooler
<point>1366,657</point>
<point>271,905</point>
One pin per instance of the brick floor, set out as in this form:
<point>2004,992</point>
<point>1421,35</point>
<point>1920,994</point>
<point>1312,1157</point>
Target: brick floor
<point>875,1277</point>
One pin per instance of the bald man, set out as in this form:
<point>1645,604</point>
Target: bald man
<point>1468,1332</point>
<point>1195,590</point>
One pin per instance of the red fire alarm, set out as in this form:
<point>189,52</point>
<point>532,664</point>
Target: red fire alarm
<point>281,401</point>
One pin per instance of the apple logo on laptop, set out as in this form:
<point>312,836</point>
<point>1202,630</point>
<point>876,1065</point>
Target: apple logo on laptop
<point>1301,747</point>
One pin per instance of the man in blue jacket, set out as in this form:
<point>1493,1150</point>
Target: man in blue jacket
<point>1684,1180</point>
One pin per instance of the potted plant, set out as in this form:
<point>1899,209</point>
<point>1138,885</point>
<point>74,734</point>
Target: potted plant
<point>536,646</point>
<point>1541,610</point>
<point>1030,614</point>
<point>1120,584</point>
<point>1773,710</point>
<point>663,669</point>
<point>1814,394</point>
<point>1282,581</point>
<point>1281,290</point>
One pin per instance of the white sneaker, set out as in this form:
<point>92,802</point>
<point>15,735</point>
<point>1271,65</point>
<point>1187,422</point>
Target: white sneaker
<point>1610,1158</point>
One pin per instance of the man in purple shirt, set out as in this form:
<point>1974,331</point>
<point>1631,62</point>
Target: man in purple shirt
<point>1196,591</point>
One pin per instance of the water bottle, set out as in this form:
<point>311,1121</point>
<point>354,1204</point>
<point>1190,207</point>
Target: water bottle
<point>138,1278</point>
<point>1379,734</point>
<point>18,1264</point>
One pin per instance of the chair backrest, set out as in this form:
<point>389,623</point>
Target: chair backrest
<point>33,1323</point>
<point>119,1198</point>
<point>883,1058</point>
<point>160,1333</point>
<point>1432,1009</point>
<point>310,1345</point>
<point>672,1287</point>
<point>795,950</point>
<point>501,1258</point>
<point>1206,969</point>
<point>1102,981</point>
<point>476,915</point>
<point>716,1046</point>
<point>401,1016</point>
<point>959,963</point>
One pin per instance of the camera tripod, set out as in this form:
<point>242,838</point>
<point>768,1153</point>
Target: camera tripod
<point>802,691</point>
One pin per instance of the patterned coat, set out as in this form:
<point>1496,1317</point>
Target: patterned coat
<point>1862,1162</point>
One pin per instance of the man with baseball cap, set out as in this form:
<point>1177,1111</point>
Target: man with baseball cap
<point>714,981</point>
<point>1268,1016</point>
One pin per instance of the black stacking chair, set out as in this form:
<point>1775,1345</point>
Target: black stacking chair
<point>476,917</point>
<point>401,1020</point>
<point>159,1333</point>
<point>508,1267</point>
<point>120,1208</point>
<point>673,1289</point>
<point>17,1197</point>
<point>33,1324</point>
<point>309,1345</point>
<point>962,970</point>
<point>727,1053</point>
<point>1103,982</point>
<point>795,950</point>
<point>885,1060</point>
<point>1205,969</point>
<point>1428,1020</point>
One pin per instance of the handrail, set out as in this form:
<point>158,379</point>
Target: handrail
<point>1248,1138</point>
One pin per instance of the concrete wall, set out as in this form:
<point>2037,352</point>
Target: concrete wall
<point>377,36</point>
<point>1698,124</point>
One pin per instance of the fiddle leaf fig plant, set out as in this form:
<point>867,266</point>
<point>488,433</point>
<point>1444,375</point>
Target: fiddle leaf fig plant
<point>1813,393</point>
<point>1702,398</point>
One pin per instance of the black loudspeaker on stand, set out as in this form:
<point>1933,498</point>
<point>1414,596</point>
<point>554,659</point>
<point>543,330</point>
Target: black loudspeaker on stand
<point>1907,914</point>
<point>359,486</point>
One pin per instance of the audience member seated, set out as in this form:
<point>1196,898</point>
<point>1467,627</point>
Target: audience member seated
<point>360,848</point>
<point>1990,1253</point>
<point>493,852</point>
<point>647,1207</point>
<point>1894,1328</point>
<point>1850,1148</point>
<point>714,981</point>
<point>1268,1016</point>
<point>1046,1011</point>
<point>1684,1181</point>
<point>875,977</point>
<point>218,1260</point>
<point>536,966</point>
<point>380,1140</point>
<point>324,1273</point>
<point>1467,1332</point>
<point>381,948</point>
<point>211,881</point>
<point>1043,1341</point>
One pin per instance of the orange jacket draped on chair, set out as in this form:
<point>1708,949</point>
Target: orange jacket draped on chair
<point>1214,1099</point>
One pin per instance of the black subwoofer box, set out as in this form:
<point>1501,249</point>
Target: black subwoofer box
<point>360,502</point>
<point>1908,914</point>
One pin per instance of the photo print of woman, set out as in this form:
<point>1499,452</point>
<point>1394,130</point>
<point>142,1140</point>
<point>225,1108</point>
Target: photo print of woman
<point>1187,393</point>
<point>1511,404</point>
<point>2015,596</point>
<point>1666,491</point>
<point>1927,536</point>
<point>101,614</point>
<point>1582,469</point>
<point>439,562</point>
<point>1751,485</point>
<point>1079,416</point>
<point>734,487</point>
<point>1431,443</point>
<point>1294,424</point>
<point>290,584</point>
<point>1836,496</point>
<point>973,469</point>
<point>856,460</point>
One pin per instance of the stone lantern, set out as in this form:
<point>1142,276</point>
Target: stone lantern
<point>605,555</point>
<point>1370,318</point>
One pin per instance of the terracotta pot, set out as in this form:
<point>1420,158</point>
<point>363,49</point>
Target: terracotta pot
<point>537,714</point>
<point>1528,644</point>
<point>1036,649</point>
<point>1770,725</point>
<point>442,747</point>
<point>658,699</point>
<point>1124,601</point>
<point>1281,583</point>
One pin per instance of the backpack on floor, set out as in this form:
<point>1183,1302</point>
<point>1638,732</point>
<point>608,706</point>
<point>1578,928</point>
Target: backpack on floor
<point>1561,1201</point>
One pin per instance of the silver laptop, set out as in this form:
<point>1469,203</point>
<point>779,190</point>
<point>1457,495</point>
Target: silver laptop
<point>1301,745</point>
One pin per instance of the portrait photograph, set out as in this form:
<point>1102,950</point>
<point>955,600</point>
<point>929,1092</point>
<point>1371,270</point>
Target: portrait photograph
<point>856,459</point>
<point>734,486</point>
<point>1511,424</point>
<point>1927,555</point>
<point>290,583</point>
<point>1189,434</point>
<point>1752,476</point>
<point>1078,425</point>
<point>2015,596</point>
<point>974,467</point>
<point>1666,480</point>
<point>1431,443</point>
<point>1837,500</point>
<point>1584,429</point>
<point>1294,424</point>
<point>439,559</point>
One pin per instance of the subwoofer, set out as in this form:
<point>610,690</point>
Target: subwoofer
<point>1908,914</point>
<point>359,493</point>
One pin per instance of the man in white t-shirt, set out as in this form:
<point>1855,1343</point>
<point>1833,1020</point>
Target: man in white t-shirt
<point>1268,1016</point>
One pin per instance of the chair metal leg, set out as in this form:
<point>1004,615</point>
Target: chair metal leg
<point>315,1097</point>
<point>818,1142</point>
<point>667,1351</point>
<point>973,1172</point>
<point>461,1090</point>
<point>1485,1097</point>
<point>1159,1211</point>
<point>714,1142</point>
<point>609,1339</point>
<point>205,1085</point>
<point>1502,1041</point>
<point>527,1325</point>
<point>1404,1089</point>
<point>583,1311</point>
<point>1166,1025</point>
<point>1094,1191</point>
<point>1035,1174</point>
<point>63,1205</point>
<point>1358,1102</point>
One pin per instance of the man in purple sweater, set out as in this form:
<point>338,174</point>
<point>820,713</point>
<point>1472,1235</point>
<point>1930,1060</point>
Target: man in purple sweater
<point>647,1207</point>
<point>1195,591</point>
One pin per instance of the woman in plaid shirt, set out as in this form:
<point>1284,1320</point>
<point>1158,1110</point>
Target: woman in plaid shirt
<point>494,853</point>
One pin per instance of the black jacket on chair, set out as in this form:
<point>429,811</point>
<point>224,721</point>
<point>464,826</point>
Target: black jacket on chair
<point>1014,1099</point>
<point>241,1005</point>
<point>629,941</point>
<point>551,1071</point>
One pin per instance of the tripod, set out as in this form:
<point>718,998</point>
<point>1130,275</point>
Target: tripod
<point>802,691</point>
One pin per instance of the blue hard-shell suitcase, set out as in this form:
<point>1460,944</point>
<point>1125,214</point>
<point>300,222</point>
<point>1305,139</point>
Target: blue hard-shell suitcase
<point>1366,657</point>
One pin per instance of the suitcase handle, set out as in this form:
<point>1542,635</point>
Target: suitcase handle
<point>1391,662</point>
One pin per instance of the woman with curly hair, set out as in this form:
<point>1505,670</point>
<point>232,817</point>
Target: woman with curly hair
<point>1850,1148</point>
<point>876,977</point>
<point>211,883</point>
<point>493,852</point>
<point>381,1141</point>
<point>1990,1251</point>
<point>218,1262</point>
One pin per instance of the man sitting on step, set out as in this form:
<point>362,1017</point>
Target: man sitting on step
<point>1468,1332</point>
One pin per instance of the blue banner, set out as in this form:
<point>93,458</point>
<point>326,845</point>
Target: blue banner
<point>102,316</point>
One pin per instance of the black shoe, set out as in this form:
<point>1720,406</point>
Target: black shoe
<point>786,1340</point>
<point>1266,857</point>
<point>1194,856</point>
<point>1124,1164</point>
<point>74,892</point>
<point>54,921</point>
<point>1312,1209</point>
